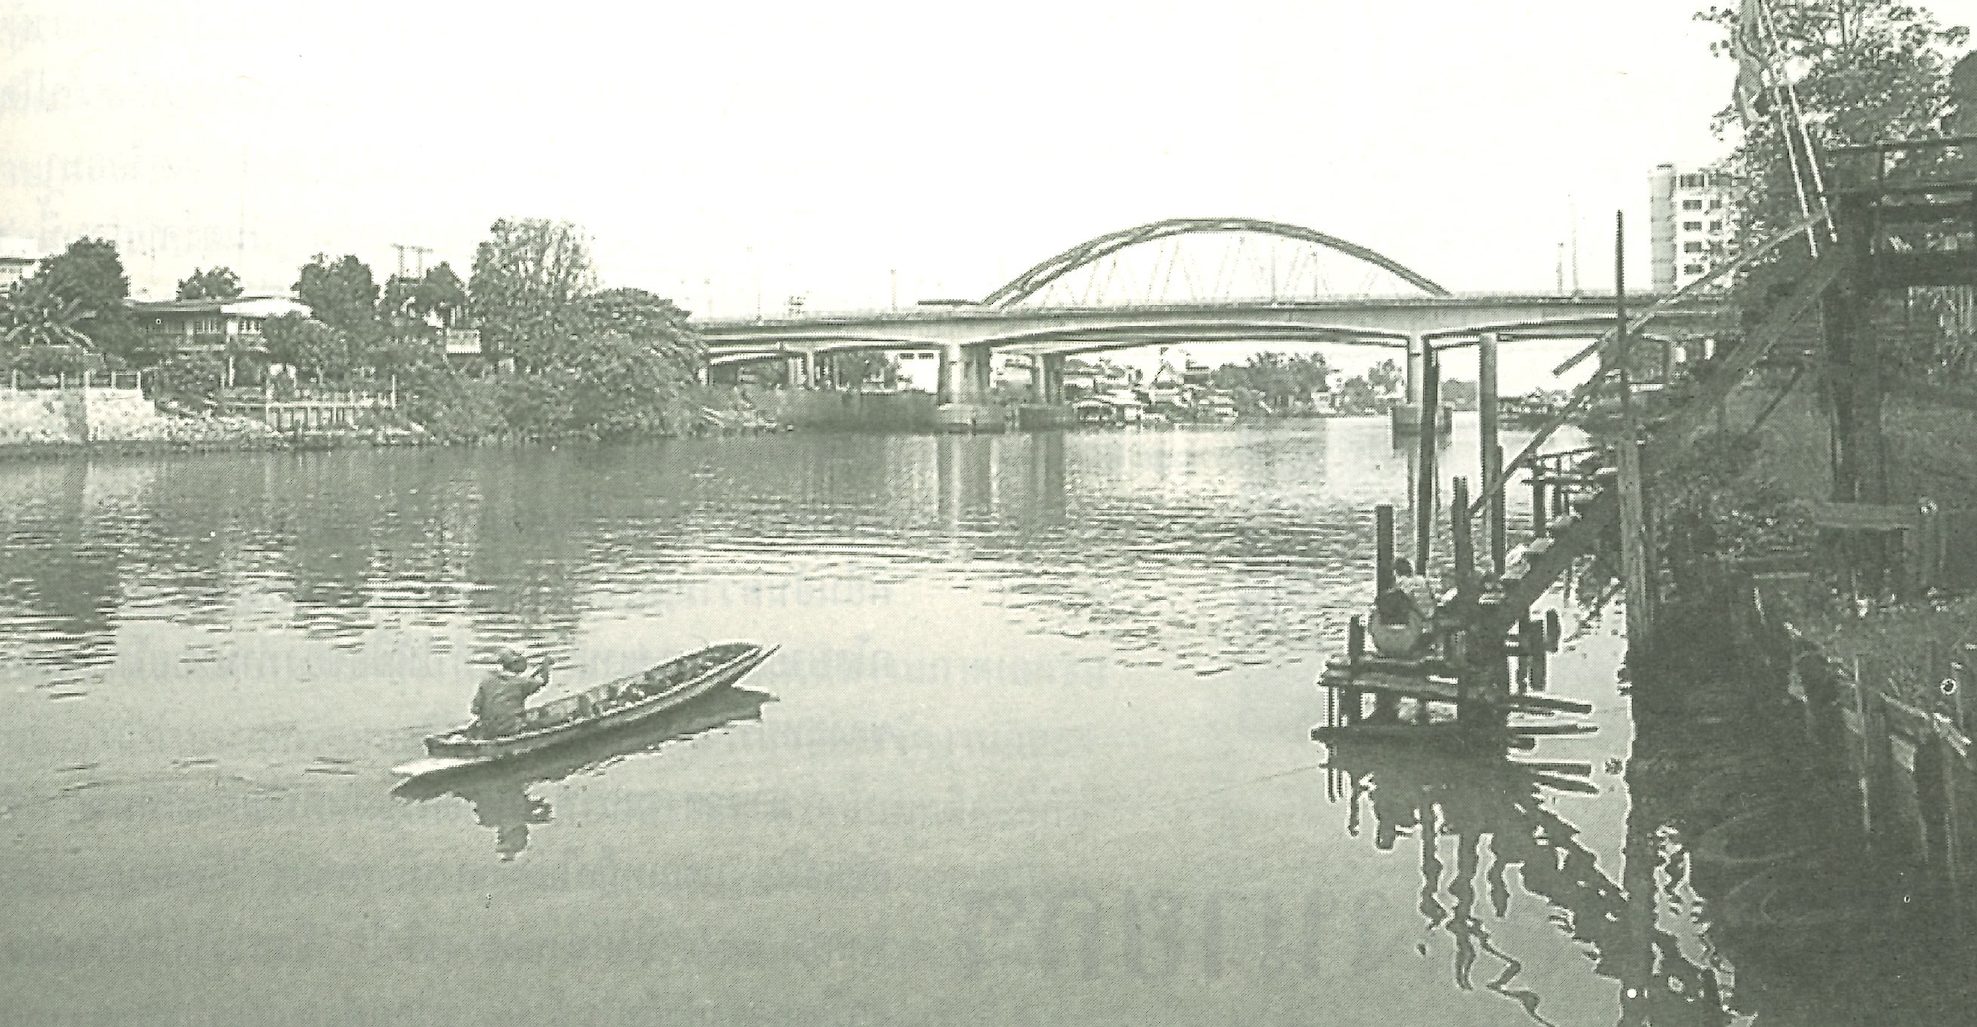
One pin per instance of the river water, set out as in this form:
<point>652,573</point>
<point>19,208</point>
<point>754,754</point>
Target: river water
<point>1035,748</point>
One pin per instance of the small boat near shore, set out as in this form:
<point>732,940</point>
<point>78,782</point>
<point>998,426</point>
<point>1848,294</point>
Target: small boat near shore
<point>614,704</point>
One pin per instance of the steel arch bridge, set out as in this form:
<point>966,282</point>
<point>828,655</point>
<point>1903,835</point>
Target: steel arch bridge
<point>1417,314</point>
<point>1093,250</point>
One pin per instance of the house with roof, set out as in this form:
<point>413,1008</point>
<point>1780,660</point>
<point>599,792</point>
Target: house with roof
<point>225,327</point>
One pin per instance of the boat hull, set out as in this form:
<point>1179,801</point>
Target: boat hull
<point>604,708</point>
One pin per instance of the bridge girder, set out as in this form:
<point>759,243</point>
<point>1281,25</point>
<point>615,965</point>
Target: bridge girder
<point>1091,250</point>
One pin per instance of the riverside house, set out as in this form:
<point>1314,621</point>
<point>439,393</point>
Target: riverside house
<point>226,327</point>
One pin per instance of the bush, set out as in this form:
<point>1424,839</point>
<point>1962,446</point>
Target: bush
<point>188,375</point>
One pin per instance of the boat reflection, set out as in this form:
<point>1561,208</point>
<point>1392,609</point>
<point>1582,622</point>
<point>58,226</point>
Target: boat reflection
<point>500,793</point>
<point>1495,812</point>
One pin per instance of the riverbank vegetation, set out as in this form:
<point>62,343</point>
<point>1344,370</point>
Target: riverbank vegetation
<point>1866,72</point>
<point>559,357</point>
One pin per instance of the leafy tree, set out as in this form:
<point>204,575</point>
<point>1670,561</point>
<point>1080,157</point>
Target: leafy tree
<point>1385,378</point>
<point>398,303</point>
<point>644,316</point>
<point>856,367</point>
<point>1867,71</point>
<point>1281,382</point>
<point>219,283</point>
<point>32,314</point>
<point>441,293</point>
<point>528,278</point>
<point>91,275</point>
<point>619,385</point>
<point>308,344</point>
<point>341,292</point>
<point>407,302</point>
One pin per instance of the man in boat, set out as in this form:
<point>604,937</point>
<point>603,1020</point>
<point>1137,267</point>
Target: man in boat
<point>1403,615</point>
<point>504,691</point>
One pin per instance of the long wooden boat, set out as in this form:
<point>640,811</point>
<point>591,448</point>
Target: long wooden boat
<point>613,704</point>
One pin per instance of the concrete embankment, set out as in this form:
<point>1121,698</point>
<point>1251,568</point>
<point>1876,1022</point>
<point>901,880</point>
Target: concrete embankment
<point>46,420</point>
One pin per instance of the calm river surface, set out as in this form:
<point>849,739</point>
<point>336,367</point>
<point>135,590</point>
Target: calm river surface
<point>1035,748</point>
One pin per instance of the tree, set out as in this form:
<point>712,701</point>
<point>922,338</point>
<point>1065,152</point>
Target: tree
<point>308,344</point>
<point>341,293</point>
<point>646,317</point>
<point>528,278</point>
<point>436,295</point>
<point>1385,378</point>
<point>441,293</point>
<point>853,368</point>
<point>91,275</point>
<point>220,283</point>
<point>1867,71</point>
<point>32,315</point>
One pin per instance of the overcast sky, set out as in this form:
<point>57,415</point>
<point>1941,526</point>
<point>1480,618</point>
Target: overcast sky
<point>722,149</point>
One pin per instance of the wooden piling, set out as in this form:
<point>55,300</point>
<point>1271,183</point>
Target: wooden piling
<point>1635,565</point>
<point>1499,543</point>
<point>1383,546</point>
<point>1491,457</point>
<point>1424,486</point>
<point>1538,519</point>
<point>1465,556</point>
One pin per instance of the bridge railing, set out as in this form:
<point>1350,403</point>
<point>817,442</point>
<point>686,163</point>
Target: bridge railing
<point>924,313</point>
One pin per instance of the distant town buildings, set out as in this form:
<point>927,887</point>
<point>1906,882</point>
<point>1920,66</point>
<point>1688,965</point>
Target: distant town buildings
<point>1691,213</point>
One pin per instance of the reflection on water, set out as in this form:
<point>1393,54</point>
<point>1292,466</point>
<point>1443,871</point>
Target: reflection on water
<point>1114,535</point>
<point>1014,669</point>
<point>501,794</point>
<point>1494,814</point>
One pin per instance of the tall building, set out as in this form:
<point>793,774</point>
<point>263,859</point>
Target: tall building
<point>1692,222</point>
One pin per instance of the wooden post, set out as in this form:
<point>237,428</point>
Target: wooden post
<point>1634,558</point>
<point>1499,543</point>
<point>1383,546</point>
<point>1424,487</point>
<point>1490,459</point>
<point>1355,639</point>
<point>1465,556</point>
<point>1538,520</point>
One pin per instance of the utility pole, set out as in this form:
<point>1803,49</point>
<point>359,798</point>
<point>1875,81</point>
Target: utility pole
<point>418,252</point>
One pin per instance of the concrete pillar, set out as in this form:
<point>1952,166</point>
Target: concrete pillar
<point>952,386</point>
<point>981,372</point>
<point>1038,391</point>
<point>793,371</point>
<point>1053,377</point>
<point>964,373</point>
<point>1417,356</point>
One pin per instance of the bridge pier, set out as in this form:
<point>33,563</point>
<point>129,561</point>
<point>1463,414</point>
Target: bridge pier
<point>964,373</point>
<point>1417,369</point>
<point>800,370</point>
<point>1047,378</point>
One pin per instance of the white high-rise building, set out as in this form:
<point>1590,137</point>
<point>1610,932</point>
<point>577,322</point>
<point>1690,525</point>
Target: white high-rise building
<point>1692,222</point>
